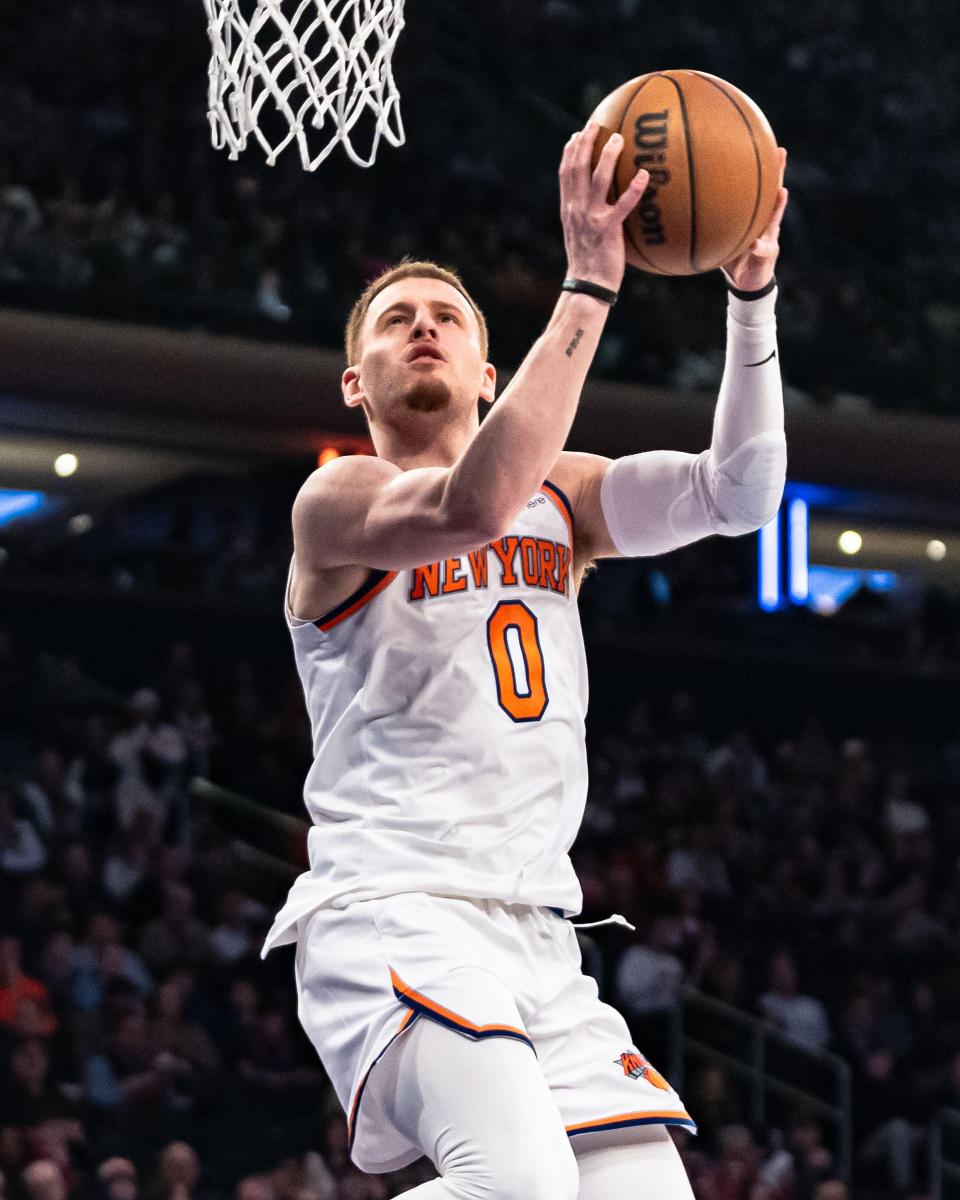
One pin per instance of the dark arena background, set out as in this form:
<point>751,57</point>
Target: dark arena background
<point>774,729</point>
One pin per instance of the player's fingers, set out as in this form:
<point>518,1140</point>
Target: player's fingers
<point>583,141</point>
<point>632,193</point>
<point>567,156</point>
<point>773,229</point>
<point>606,165</point>
<point>566,167</point>
<point>782,155</point>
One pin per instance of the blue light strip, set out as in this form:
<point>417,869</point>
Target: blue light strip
<point>769,573</point>
<point>15,504</point>
<point>799,546</point>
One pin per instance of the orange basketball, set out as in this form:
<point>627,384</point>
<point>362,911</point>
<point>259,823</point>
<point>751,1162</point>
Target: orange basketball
<point>713,166</point>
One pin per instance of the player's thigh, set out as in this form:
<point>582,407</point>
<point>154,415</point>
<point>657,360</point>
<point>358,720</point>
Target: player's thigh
<point>627,1162</point>
<point>481,1111</point>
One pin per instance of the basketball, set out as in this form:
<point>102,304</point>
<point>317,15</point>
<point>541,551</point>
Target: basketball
<point>714,169</point>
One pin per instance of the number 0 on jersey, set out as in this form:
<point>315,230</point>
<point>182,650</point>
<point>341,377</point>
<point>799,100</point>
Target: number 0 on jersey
<point>514,643</point>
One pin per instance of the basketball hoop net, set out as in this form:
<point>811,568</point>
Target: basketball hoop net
<point>320,70</point>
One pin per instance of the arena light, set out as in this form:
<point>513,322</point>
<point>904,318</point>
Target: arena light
<point>65,464</point>
<point>80,524</point>
<point>936,550</point>
<point>327,454</point>
<point>15,504</point>
<point>798,517</point>
<point>769,597</point>
<point>850,541</point>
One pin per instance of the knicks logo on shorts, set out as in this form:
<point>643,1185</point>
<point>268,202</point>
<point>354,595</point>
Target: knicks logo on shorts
<point>636,1067</point>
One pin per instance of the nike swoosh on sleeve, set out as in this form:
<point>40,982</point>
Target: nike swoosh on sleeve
<point>772,354</point>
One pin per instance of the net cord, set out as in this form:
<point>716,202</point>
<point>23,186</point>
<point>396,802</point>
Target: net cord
<point>253,65</point>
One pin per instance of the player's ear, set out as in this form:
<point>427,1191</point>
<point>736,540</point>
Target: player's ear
<point>350,386</point>
<point>488,385</point>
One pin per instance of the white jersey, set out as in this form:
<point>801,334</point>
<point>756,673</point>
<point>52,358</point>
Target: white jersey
<point>447,707</point>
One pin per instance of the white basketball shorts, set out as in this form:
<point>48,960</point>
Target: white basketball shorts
<point>365,973</point>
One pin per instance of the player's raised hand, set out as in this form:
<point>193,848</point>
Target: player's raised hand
<point>592,226</point>
<point>754,269</point>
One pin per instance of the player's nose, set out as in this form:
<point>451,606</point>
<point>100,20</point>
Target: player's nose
<point>424,324</point>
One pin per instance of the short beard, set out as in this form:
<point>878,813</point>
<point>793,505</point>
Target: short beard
<point>428,395</point>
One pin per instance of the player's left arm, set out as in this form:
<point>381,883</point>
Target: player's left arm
<point>655,501</point>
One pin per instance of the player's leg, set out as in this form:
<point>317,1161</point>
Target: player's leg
<point>631,1162</point>
<point>482,1113</point>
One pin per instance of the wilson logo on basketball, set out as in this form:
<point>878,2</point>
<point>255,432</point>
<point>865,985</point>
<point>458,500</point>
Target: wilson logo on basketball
<point>636,1067</point>
<point>650,139</point>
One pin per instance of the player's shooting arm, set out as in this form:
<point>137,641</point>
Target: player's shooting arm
<point>656,501</point>
<point>653,502</point>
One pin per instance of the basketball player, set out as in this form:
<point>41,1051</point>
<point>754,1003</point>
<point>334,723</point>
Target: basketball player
<point>432,605</point>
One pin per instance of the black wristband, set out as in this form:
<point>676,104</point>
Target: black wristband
<point>757,295</point>
<point>590,289</point>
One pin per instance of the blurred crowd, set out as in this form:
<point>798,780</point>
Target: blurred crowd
<point>809,878</point>
<point>112,201</point>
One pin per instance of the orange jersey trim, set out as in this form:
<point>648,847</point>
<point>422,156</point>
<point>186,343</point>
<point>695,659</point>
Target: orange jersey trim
<point>408,1020</point>
<point>363,595</point>
<point>674,1117</point>
<point>429,1008</point>
<point>563,506</point>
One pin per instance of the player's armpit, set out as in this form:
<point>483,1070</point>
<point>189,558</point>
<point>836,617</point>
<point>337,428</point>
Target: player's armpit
<point>366,511</point>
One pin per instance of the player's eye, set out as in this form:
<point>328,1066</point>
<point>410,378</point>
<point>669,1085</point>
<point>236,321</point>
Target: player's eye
<point>449,316</point>
<point>395,319</point>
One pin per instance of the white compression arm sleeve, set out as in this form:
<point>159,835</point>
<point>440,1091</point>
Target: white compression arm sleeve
<point>661,499</point>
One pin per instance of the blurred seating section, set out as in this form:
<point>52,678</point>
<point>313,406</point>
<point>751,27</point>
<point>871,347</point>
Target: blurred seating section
<point>112,202</point>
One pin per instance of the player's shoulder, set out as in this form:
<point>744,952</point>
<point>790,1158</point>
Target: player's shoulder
<point>343,478</point>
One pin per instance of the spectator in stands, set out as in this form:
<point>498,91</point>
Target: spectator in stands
<point>77,875</point>
<point>186,1041</point>
<point>649,975</point>
<point>259,1187</point>
<point>21,848</point>
<point>103,958</point>
<point>798,1017</point>
<point>272,1059</point>
<point>151,757</point>
<point>130,1077</point>
<point>716,1104</point>
<point>30,1095</point>
<point>831,1189</point>
<point>24,1002</point>
<point>43,1180</point>
<point>737,1171</point>
<point>117,1179</point>
<point>178,1176</point>
<point>887,1140</point>
<point>176,937</point>
<point>55,797</point>
<point>233,938</point>
<point>697,863</point>
<point>129,865</point>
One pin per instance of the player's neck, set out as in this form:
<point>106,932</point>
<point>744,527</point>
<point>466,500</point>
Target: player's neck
<point>415,445</point>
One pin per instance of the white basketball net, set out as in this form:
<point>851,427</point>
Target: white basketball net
<point>321,69</point>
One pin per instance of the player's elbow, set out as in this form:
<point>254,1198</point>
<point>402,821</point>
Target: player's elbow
<point>478,515</point>
<point>748,487</point>
<point>474,522</point>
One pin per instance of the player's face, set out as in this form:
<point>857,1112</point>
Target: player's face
<point>420,351</point>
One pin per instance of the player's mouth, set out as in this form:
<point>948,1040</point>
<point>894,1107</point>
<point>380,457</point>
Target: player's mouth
<point>418,353</point>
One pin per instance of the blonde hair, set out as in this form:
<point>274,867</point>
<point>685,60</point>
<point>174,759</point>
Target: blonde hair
<point>407,269</point>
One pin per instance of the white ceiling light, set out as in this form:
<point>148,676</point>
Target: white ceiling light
<point>65,464</point>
